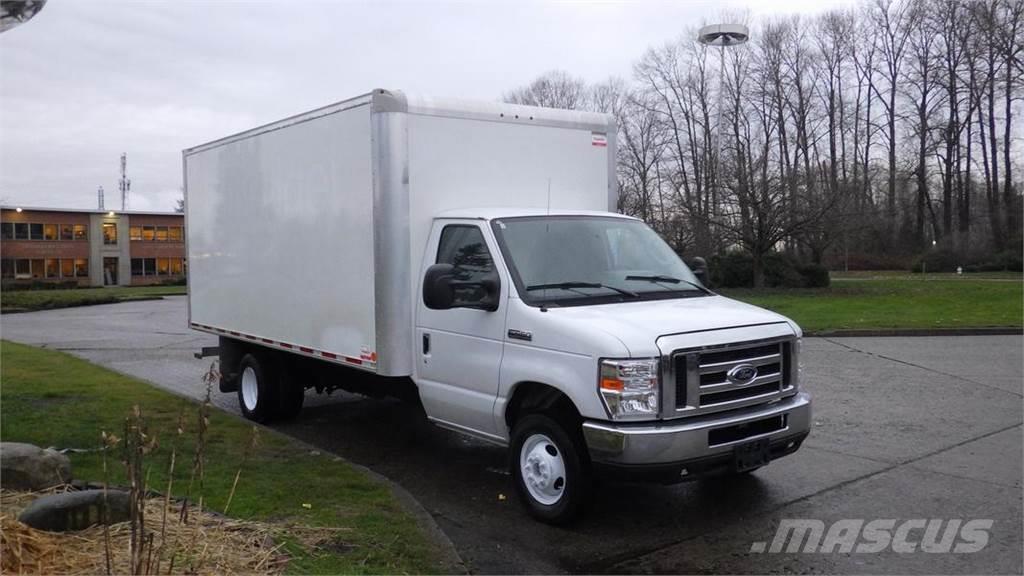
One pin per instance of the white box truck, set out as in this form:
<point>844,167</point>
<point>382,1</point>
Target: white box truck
<point>468,256</point>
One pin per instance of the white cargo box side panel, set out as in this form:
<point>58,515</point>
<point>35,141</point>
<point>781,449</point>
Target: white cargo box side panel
<point>479,163</point>
<point>280,236</point>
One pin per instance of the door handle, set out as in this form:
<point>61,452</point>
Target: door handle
<point>426,344</point>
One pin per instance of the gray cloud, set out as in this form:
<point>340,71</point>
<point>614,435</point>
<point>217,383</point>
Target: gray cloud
<point>84,81</point>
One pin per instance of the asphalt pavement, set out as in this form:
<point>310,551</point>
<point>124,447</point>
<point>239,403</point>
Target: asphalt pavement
<point>905,428</point>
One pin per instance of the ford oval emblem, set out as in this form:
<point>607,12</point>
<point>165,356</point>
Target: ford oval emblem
<point>742,374</point>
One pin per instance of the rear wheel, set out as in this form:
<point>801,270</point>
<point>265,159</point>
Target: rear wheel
<point>257,388</point>
<point>549,469</point>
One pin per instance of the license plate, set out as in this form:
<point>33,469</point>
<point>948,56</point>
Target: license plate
<point>751,455</point>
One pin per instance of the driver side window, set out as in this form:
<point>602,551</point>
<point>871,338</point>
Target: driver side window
<point>464,247</point>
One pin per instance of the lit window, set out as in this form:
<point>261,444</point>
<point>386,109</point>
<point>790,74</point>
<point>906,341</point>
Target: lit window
<point>21,230</point>
<point>176,267</point>
<point>22,268</point>
<point>81,267</point>
<point>135,233</point>
<point>163,266</point>
<point>50,232</point>
<point>66,232</point>
<point>7,231</point>
<point>38,267</point>
<point>161,233</point>
<point>80,232</point>
<point>174,233</point>
<point>36,231</point>
<point>109,233</point>
<point>67,268</point>
<point>52,268</point>
<point>147,233</point>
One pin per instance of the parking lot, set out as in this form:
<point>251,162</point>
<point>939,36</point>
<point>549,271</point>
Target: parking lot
<point>904,428</point>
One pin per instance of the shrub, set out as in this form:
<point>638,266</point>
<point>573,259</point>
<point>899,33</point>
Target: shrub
<point>736,270</point>
<point>815,276</point>
<point>943,260</point>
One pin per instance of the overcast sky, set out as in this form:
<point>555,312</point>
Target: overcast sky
<point>84,81</point>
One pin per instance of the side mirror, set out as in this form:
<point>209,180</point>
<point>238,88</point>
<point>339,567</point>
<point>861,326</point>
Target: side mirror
<point>437,287</point>
<point>700,269</point>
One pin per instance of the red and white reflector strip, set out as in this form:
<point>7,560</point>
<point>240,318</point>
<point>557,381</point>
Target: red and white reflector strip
<point>367,359</point>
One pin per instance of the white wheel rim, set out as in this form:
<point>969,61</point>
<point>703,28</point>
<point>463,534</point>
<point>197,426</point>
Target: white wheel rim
<point>543,469</point>
<point>250,389</point>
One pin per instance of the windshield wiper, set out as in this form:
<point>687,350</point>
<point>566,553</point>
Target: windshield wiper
<point>669,280</point>
<point>571,285</point>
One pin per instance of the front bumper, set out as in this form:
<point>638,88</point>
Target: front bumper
<point>705,438</point>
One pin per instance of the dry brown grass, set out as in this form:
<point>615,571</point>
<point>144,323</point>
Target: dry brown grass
<point>206,544</point>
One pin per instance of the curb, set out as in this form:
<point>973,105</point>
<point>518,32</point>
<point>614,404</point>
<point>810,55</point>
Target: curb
<point>913,332</point>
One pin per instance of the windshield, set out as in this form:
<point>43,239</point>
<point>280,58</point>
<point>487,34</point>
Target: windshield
<point>565,260</point>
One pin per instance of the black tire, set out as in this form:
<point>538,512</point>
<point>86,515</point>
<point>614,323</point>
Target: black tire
<point>291,394</point>
<point>263,406</point>
<point>575,488</point>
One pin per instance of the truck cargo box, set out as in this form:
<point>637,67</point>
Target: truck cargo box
<point>306,234</point>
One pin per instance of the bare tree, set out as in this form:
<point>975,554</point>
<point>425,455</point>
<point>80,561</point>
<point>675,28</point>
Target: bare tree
<point>554,89</point>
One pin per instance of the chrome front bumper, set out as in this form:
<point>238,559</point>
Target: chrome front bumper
<point>688,439</point>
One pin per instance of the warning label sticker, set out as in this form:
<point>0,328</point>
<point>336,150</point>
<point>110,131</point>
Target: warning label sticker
<point>598,139</point>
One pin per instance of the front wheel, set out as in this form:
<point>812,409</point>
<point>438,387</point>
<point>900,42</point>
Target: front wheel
<point>548,469</point>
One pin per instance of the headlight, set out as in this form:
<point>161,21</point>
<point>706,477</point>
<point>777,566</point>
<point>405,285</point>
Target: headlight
<point>629,388</point>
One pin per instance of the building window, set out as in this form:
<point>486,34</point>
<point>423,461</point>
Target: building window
<point>174,233</point>
<point>6,268</point>
<point>67,268</point>
<point>49,232</point>
<point>21,230</point>
<point>80,232</point>
<point>66,232</point>
<point>52,268</point>
<point>161,233</point>
<point>22,268</point>
<point>135,233</point>
<point>148,233</point>
<point>109,233</point>
<point>163,266</point>
<point>176,267</point>
<point>38,267</point>
<point>82,267</point>
<point>7,231</point>
<point>149,265</point>
<point>137,269</point>
<point>36,230</point>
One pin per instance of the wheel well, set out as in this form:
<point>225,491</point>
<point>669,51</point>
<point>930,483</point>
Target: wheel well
<point>533,397</point>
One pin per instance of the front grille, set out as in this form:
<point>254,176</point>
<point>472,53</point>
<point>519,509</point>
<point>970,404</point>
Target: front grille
<point>759,371</point>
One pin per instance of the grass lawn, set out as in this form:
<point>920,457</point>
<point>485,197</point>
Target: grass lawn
<point>881,300</point>
<point>25,300</point>
<point>53,399</point>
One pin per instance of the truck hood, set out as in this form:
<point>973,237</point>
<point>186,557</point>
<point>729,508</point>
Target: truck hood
<point>639,324</point>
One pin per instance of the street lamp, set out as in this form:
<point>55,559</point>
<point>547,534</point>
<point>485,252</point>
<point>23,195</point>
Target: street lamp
<point>723,36</point>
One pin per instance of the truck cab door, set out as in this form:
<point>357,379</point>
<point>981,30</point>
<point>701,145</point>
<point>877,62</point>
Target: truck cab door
<point>459,349</point>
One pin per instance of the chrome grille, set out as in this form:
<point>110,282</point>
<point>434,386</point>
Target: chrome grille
<point>761,372</point>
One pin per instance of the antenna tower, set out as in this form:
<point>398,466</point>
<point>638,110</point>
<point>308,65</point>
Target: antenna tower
<point>125,185</point>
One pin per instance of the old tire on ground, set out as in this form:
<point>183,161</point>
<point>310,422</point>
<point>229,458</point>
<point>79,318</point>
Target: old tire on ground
<point>257,388</point>
<point>549,469</point>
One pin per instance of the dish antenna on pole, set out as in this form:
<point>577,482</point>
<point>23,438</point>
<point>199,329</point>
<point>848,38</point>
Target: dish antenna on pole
<point>723,34</point>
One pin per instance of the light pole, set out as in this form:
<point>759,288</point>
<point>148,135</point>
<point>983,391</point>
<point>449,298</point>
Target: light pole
<point>723,36</point>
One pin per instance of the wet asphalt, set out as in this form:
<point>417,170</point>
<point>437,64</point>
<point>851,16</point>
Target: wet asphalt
<point>904,428</point>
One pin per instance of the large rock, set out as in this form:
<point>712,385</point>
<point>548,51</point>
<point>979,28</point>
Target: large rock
<point>28,467</point>
<point>76,510</point>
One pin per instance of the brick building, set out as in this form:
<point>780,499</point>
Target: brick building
<point>91,247</point>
